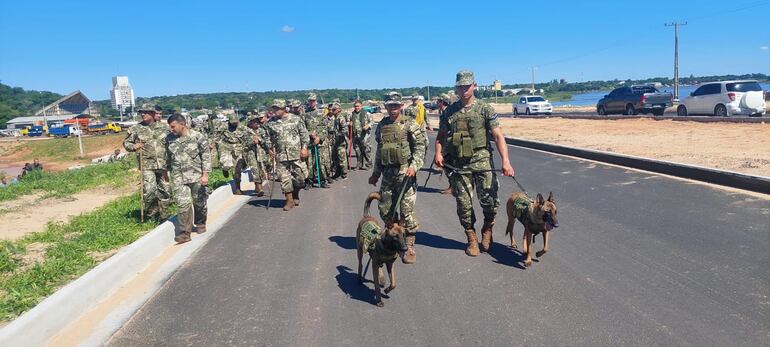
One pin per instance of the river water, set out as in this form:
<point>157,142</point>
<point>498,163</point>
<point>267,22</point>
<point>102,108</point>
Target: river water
<point>590,99</point>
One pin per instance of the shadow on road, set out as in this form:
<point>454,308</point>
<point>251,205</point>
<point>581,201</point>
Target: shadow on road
<point>262,202</point>
<point>436,241</point>
<point>429,190</point>
<point>506,256</point>
<point>346,242</point>
<point>347,280</point>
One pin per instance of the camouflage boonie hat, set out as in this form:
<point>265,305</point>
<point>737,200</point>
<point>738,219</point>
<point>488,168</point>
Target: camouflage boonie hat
<point>295,103</point>
<point>464,78</point>
<point>232,118</point>
<point>280,103</point>
<point>311,96</point>
<point>393,98</point>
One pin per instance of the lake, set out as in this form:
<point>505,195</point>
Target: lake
<point>590,99</point>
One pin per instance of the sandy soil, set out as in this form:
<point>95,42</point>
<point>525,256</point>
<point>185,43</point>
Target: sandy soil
<point>14,153</point>
<point>508,108</point>
<point>30,215</point>
<point>727,146</point>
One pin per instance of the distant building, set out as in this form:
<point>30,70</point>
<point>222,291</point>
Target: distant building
<point>122,94</point>
<point>71,106</point>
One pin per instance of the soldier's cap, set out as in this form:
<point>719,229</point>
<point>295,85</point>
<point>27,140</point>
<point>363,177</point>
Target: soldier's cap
<point>280,103</point>
<point>416,97</point>
<point>336,105</point>
<point>146,110</point>
<point>249,113</point>
<point>295,103</point>
<point>393,98</point>
<point>233,118</point>
<point>311,96</point>
<point>464,78</point>
<point>158,108</point>
<point>445,98</point>
<point>261,115</point>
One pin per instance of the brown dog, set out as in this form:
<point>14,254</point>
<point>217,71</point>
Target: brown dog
<point>383,246</point>
<point>537,216</point>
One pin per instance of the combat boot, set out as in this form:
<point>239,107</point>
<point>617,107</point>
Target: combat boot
<point>258,189</point>
<point>200,229</point>
<point>295,196</point>
<point>486,235</point>
<point>289,202</point>
<point>183,237</point>
<point>237,191</point>
<point>225,173</point>
<point>410,257</point>
<point>473,243</point>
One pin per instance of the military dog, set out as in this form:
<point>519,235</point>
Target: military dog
<point>383,246</point>
<point>538,216</point>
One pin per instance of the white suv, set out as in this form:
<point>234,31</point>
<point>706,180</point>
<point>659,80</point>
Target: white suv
<point>724,99</point>
<point>534,104</point>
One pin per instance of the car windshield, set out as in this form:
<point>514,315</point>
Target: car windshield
<point>535,99</point>
<point>744,87</point>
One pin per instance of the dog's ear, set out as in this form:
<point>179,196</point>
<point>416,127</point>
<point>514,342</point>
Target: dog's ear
<point>550,196</point>
<point>539,199</point>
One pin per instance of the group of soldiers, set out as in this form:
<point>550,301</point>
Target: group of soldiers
<point>299,146</point>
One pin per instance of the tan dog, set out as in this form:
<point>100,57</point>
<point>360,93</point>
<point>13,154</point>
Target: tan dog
<point>383,246</point>
<point>538,216</point>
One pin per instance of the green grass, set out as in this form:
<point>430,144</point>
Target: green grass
<point>68,149</point>
<point>71,249</point>
<point>66,183</point>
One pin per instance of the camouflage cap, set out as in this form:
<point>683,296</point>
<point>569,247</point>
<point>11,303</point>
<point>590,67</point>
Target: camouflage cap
<point>464,78</point>
<point>311,96</point>
<point>335,105</point>
<point>393,98</point>
<point>280,103</point>
<point>261,115</point>
<point>446,98</point>
<point>146,110</point>
<point>295,103</point>
<point>416,96</point>
<point>233,118</point>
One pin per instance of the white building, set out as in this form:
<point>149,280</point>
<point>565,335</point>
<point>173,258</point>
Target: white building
<point>122,94</point>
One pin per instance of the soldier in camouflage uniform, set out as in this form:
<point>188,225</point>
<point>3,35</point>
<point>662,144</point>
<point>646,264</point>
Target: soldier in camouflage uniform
<point>341,141</point>
<point>466,129</point>
<point>256,152</point>
<point>319,160</point>
<point>295,107</point>
<point>149,137</point>
<point>289,140</point>
<point>361,122</point>
<point>443,102</point>
<point>231,140</point>
<point>313,116</point>
<point>188,159</point>
<point>399,155</point>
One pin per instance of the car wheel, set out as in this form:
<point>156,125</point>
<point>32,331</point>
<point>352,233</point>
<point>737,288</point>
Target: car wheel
<point>720,111</point>
<point>681,111</point>
<point>600,110</point>
<point>658,112</point>
<point>527,111</point>
<point>515,111</point>
<point>630,110</point>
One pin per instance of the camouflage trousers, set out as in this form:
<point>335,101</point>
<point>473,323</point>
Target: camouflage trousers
<point>258,168</point>
<point>392,183</point>
<point>157,197</point>
<point>363,149</point>
<point>323,162</point>
<point>191,200</point>
<point>228,157</point>
<point>291,174</point>
<point>240,167</point>
<point>486,186</point>
<point>340,158</point>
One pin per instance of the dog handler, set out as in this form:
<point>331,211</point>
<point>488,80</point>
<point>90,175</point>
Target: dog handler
<point>399,155</point>
<point>466,129</point>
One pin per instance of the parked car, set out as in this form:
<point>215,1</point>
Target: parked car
<point>724,99</point>
<point>635,99</point>
<point>534,104</point>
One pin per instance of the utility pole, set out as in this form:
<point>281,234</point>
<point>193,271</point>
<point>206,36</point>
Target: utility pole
<point>428,84</point>
<point>676,26</point>
<point>533,79</point>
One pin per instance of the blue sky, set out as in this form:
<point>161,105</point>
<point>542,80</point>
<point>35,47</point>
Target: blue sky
<point>178,47</point>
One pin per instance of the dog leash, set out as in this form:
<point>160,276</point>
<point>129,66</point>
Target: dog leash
<point>453,169</point>
<point>397,207</point>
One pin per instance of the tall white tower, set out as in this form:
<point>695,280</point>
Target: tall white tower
<point>122,94</point>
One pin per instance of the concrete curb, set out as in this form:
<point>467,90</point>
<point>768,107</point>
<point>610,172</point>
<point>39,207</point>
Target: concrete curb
<point>50,317</point>
<point>759,184</point>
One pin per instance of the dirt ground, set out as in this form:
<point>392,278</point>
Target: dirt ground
<point>54,154</point>
<point>737,147</point>
<point>27,215</point>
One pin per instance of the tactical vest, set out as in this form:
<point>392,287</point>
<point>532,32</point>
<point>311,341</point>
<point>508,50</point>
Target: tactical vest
<point>395,146</point>
<point>468,135</point>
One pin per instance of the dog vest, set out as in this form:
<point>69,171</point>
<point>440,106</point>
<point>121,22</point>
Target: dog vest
<point>522,208</point>
<point>370,233</point>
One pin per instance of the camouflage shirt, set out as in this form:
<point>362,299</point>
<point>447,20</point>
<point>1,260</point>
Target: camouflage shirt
<point>153,137</point>
<point>415,135</point>
<point>260,151</point>
<point>411,111</point>
<point>314,123</point>
<point>287,136</point>
<point>359,120</point>
<point>233,138</point>
<point>188,157</point>
<point>481,158</point>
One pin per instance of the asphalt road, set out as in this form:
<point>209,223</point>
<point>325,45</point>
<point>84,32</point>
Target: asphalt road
<point>639,259</point>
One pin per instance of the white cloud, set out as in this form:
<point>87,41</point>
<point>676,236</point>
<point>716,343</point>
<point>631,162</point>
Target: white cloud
<point>287,29</point>
<point>763,48</point>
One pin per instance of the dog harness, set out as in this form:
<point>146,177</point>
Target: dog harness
<point>522,208</point>
<point>370,233</point>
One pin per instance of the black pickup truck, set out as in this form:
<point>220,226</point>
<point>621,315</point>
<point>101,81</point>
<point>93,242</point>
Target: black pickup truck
<point>634,99</point>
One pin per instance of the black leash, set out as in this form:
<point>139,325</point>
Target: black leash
<point>397,207</point>
<point>453,169</point>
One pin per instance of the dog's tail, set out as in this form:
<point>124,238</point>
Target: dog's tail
<point>368,203</point>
